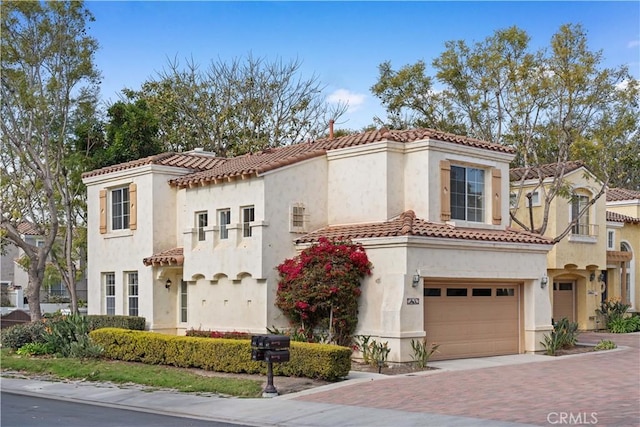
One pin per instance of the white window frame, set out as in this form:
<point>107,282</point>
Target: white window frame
<point>583,226</point>
<point>202,222</point>
<point>109,280</point>
<point>611,240</point>
<point>184,308</point>
<point>535,199</point>
<point>133,293</point>
<point>248,216</point>
<point>471,213</point>
<point>120,208</point>
<point>298,218</point>
<point>224,220</point>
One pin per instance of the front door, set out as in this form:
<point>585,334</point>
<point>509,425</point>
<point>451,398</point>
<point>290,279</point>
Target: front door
<point>564,304</point>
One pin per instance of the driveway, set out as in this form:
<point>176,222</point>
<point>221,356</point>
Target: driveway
<point>601,388</point>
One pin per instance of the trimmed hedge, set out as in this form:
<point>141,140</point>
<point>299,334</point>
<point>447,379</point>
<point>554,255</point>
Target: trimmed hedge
<point>319,361</point>
<point>97,321</point>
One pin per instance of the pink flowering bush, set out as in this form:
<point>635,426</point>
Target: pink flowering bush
<point>320,288</point>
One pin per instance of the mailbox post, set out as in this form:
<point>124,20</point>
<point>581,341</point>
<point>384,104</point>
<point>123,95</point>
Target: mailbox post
<point>270,349</point>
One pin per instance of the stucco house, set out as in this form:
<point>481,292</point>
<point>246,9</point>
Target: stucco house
<point>586,262</point>
<point>622,276</point>
<point>189,240</point>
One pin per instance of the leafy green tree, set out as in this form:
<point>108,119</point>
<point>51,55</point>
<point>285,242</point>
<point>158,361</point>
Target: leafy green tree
<point>47,74</point>
<point>550,105</point>
<point>237,107</point>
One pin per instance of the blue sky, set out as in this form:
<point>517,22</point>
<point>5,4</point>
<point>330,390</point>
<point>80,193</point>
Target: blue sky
<point>341,42</point>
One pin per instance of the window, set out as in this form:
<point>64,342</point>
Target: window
<point>120,208</point>
<point>110,293</point>
<point>481,292</point>
<point>456,292</point>
<point>183,301</point>
<point>611,240</point>
<point>132,288</point>
<point>432,292</point>
<point>513,200</point>
<point>467,194</point>
<point>578,203</point>
<point>202,221</point>
<point>297,217</point>
<point>248,216</point>
<point>505,292</point>
<point>535,199</point>
<point>224,219</point>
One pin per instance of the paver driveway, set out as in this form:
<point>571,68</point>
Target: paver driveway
<point>599,388</point>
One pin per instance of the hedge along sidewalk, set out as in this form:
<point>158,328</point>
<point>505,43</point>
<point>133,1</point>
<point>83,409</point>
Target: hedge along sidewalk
<point>317,361</point>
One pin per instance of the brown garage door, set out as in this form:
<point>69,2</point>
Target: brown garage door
<point>563,301</point>
<point>472,320</point>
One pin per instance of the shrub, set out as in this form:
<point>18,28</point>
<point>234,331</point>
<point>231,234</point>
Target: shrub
<point>320,288</point>
<point>234,335</point>
<point>322,361</point>
<point>16,336</point>
<point>69,337</point>
<point>564,335</point>
<point>422,352</point>
<point>97,321</point>
<point>35,349</point>
<point>605,345</point>
<point>624,325</point>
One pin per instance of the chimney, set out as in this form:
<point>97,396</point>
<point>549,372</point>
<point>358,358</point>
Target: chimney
<point>331,122</point>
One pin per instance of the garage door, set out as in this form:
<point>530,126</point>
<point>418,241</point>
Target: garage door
<point>472,320</point>
<point>563,301</point>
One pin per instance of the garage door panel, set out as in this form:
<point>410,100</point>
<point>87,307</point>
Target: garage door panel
<point>474,325</point>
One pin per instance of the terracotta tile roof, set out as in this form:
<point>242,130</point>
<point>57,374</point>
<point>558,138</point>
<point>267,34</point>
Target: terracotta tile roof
<point>256,163</point>
<point>406,224</point>
<point>173,256</point>
<point>618,194</point>
<point>193,161</point>
<point>28,229</point>
<point>616,217</point>
<point>546,171</point>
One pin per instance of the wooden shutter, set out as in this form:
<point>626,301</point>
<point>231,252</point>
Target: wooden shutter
<point>445,194</point>
<point>133,206</point>
<point>103,211</point>
<point>496,196</point>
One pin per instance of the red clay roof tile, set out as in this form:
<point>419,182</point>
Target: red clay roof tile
<point>193,161</point>
<point>618,194</point>
<point>616,217</point>
<point>273,158</point>
<point>544,171</point>
<point>406,224</point>
<point>173,256</point>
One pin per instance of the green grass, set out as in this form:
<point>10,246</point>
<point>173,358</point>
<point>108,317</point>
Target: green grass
<point>101,370</point>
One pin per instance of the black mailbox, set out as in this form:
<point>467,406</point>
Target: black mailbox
<point>276,356</point>
<point>257,354</point>
<point>270,341</point>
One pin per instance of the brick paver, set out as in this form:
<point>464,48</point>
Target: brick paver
<point>600,388</point>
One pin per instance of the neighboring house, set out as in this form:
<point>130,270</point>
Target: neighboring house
<point>14,276</point>
<point>582,264</point>
<point>188,240</point>
<point>623,246</point>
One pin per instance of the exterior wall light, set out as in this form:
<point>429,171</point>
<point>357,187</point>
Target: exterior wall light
<point>415,280</point>
<point>592,276</point>
<point>543,281</point>
<point>167,284</point>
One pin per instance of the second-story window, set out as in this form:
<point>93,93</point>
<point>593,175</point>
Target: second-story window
<point>611,240</point>
<point>120,208</point>
<point>467,194</point>
<point>224,219</point>
<point>248,216</point>
<point>202,221</point>
<point>298,217</point>
<point>581,226</point>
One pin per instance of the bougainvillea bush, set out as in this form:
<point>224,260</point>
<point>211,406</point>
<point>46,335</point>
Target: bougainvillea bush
<point>320,288</point>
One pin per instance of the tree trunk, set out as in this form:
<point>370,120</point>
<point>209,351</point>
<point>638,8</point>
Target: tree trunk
<point>33,293</point>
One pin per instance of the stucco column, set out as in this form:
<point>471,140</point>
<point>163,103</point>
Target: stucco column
<point>537,313</point>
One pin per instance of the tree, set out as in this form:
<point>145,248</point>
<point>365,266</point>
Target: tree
<point>550,105</point>
<point>321,286</point>
<point>237,107</point>
<point>47,74</point>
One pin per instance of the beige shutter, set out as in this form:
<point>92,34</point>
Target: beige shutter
<point>496,196</point>
<point>103,211</point>
<point>133,206</point>
<point>445,196</point>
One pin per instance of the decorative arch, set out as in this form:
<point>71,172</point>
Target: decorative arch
<point>241,276</point>
<point>217,277</point>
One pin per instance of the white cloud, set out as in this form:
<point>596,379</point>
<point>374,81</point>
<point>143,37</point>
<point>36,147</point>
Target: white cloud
<point>622,85</point>
<point>354,100</point>
<point>633,43</point>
